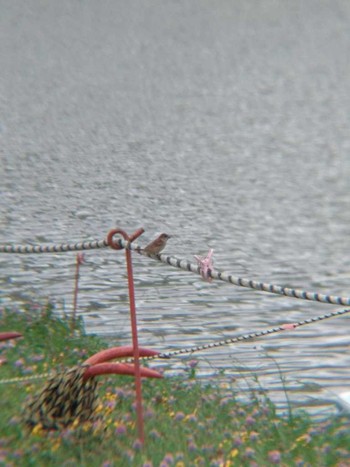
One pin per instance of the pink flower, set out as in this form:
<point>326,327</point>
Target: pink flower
<point>120,430</point>
<point>110,404</point>
<point>154,434</point>
<point>149,413</point>
<point>179,416</point>
<point>274,457</point>
<point>192,418</point>
<point>250,420</point>
<point>19,363</point>
<point>237,441</point>
<point>192,446</point>
<point>168,459</point>
<point>37,358</point>
<point>193,363</point>
<point>249,453</point>
<point>137,445</point>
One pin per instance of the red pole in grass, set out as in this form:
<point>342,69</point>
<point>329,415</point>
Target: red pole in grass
<point>136,350</point>
<point>9,335</point>
<point>79,261</point>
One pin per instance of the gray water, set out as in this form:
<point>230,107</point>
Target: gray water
<point>225,124</point>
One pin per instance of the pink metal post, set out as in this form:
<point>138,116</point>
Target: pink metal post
<point>79,261</point>
<point>136,351</point>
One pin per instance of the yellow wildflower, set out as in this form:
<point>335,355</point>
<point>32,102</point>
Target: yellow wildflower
<point>75,423</point>
<point>305,439</point>
<point>38,429</point>
<point>99,408</point>
<point>86,426</point>
<point>56,445</point>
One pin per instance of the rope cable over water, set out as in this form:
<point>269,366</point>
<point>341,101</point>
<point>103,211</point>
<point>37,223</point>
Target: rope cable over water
<point>27,249</point>
<point>184,265</point>
<point>211,345</point>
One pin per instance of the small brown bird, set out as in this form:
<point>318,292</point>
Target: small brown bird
<point>155,247</point>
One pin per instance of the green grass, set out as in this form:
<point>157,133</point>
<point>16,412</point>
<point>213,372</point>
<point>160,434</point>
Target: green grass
<point>186,423</point>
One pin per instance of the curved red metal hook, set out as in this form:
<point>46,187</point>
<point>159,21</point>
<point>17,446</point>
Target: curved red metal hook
<point>118,369</point>
<point>99,364</point>
<point>118,352</point>
<point>9,335</point>
<point>115,245</point>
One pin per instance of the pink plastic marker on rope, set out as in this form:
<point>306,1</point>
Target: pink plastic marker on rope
<point>205,265</point>
<point>289,326</point>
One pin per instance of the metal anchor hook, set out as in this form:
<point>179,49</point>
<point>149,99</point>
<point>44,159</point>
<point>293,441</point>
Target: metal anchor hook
<point>9,335</point>
<point>136,351</point>
<point>116,245</point>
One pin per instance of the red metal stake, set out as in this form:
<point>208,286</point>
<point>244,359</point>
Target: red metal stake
<point>79,261</point>
<point>135,344</point>
<point>136,350</point>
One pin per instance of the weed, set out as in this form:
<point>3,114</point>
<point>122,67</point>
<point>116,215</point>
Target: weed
<point>187,423</point>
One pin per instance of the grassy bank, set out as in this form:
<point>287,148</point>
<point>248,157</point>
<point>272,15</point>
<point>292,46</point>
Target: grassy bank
<point>186,423</point>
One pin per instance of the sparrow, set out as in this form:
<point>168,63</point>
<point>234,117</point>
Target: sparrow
<point>155,247</point>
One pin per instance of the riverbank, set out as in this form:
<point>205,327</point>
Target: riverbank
<point>186,423</point>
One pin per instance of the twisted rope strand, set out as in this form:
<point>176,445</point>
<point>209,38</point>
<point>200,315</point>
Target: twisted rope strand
<point>26,379</point>
<point>250,336</point>
<point>211,345</point>
<point>26,249</point>
<point>248,283</point>
<point>184,265</point>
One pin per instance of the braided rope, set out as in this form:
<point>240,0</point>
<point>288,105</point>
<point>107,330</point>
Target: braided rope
<point>211,345</point>
<point>184,265</point>
<point>248,283</point>
<point>26,379</point>
<point>261,286</point>
<point>249,336</point>
<point>25,249</point>
<point>65,397</point>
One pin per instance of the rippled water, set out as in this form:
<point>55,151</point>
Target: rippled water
<point>226,126</point>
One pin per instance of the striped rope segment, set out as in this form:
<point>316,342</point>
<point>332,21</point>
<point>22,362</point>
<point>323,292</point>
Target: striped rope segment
<point>250,336</point>
<point>186,266</point>
<point>241,282</point>
<point>211,345</point>
<point>25,379</point>
<point>280,290</point>
<point>242,338</point>
<point>26,249</point>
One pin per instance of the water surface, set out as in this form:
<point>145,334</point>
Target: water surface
<point>225,125</point>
